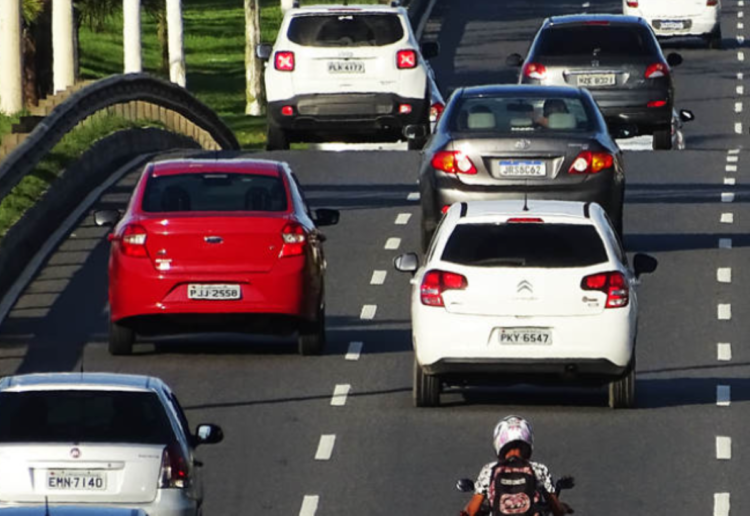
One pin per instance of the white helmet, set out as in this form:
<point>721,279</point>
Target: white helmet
<point>512,429</point>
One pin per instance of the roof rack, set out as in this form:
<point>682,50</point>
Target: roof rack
<point>464,209</point>
<point>395,3</point>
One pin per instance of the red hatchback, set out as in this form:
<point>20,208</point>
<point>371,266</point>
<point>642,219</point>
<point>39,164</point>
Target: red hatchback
<point>217,245</point>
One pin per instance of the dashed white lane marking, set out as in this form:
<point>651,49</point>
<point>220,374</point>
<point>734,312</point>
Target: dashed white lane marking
<point>355,351</point>
<point>340,393</point>
<point>723,395</point>
<point>393,243</point>
<point>413,196</point>
<point>740,56</point>
<point>724,274</point>
<point>725,243</point>
<point>368,312</point>
<point>730,157</point>
<point>738,127</point>
<point>740,90</point>
<point>733,151</point>
<point>724,311</point>
<point>721,504</point>
<point>378,277</point>
<point>740,14</point>
<point>731,168</point>
<point>325,447</point>
<point>727,218</point>
<point>309,505</point>
<point>738,107</point>
<point>727,197</point>
<point>730,181</point>
<point>723,447</point>
<point>740,25</point>
<point>403,219</point>
<point>740,76</point>
<point>724,351</point>
<point>740,39</point>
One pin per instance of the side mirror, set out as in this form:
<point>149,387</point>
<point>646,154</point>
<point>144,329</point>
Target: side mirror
<point>624,131</point>
<point>430,49</point>
<point>686,115</point>
<point>263,51</point>
<point>514,60</point>
<point>208,434</point>
<point>415,132</point>
<point>106,217</point>
<point>566,482</point>
<point>326,217</point>
<point>408,262</point>
<point>465,485</point>
<point>674,59</point>
<point>644,264</point>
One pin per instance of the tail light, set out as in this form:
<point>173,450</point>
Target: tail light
<point>174,471</point>
<point>634,3</point>
<point>535,71</point>
<point>406,59</point>
<point>712,3</point>
<point>656,70</point>
<point>453,162</point>
<point>525,220</point>
<point>287,111</point>
<point>436,110</point>
<point>133,241</point>
<point>613,284</point>
<point>588,162</point>
<point>435,283</point>
<point>404,109</point>
<point>284,61</point>
<point>656,103</point>
<point>295,238</point>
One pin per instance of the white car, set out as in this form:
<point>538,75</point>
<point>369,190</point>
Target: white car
<point>101,439</point>
<point>346,72</point>
<point>509,295</point>
<point>670,18</point>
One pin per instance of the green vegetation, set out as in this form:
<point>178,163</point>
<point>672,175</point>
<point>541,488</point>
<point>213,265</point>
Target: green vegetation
<point>6,123</point>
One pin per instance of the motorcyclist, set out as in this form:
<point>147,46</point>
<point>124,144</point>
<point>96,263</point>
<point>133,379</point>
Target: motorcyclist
<point>514,437</point>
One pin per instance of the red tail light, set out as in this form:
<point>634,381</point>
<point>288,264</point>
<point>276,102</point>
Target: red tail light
<point>406,59</point>
<point>436,110</point>
<point>295,238</point>
<point>656,103</point>
<point>404,109</point>
<point>656,70</point>
<point>174,471</point>
<point>435,283</point>
<point>287,111</point>
<point>712,3</point>
<point>133,241</point>
<point>634,3</point>
<point>525,220</point>
<point>535,71</point>
<point>284,61</point>
<point>445,209</point>
<point>453,162</point>
<point>613,284</point>
<point>589,162</point>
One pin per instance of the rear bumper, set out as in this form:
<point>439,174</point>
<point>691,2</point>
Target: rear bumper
<point>168,502</point>
<point>631,107</point>
<point>700,25</point>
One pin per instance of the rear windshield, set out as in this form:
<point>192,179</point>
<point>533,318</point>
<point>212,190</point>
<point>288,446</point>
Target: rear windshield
<point>345,30</point>
<point>595,41</point>
<point>522,115</point>
<point>83,416</point>
<point>214,192</point>
<point>525,245</point>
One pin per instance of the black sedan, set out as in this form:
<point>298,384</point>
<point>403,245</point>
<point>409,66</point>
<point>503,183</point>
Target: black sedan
<point>508,142</point>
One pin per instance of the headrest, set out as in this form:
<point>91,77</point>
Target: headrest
<point>481,121</point>
<point>561,121</point>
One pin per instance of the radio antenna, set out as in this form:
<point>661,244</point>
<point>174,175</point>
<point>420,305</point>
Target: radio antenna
<point>46,505</point>
<point>526,196</point>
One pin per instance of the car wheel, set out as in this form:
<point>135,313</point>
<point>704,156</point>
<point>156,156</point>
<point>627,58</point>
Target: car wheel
<point>312,336</point>
<point>622,391</point>
<point>662,139</point>
<point>276,138</point>
<point>426,388</point>
<point>715,41</point>
<point>121,339</point>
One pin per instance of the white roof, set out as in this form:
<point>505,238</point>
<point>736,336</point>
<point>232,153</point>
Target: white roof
<point>78,381</point>
<point>477,209</point>
<point>325,8</point>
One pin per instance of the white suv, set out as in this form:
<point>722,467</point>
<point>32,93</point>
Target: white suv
<point>508,295</point>
<point>346,72</point>
<point>669,18</point>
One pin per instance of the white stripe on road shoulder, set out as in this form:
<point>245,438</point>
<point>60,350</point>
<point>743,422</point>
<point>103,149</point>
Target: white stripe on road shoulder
<point>403,219</point>
<point>723,447</point>
<point>727,218</point>
<point>378,277</point>
<point>723,395</point>
<point>725,243</point>
<point>724,311</point>
<point>721,504</point>
<point>355,350</point>
<point>340,393</point>
<point>724,351</point>
<point>368,312</point>
<point>393,243</point>
<point>325,447</point>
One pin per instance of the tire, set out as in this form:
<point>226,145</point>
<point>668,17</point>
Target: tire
<point>714,41</point>
<point>276,138</point>
<point>121,339</point>
<point>311,339</point>
<point>662,139</point>
<point>622,391</point>
<point>426,388</point>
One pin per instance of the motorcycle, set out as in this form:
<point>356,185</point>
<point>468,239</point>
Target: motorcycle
<point>542,508</point>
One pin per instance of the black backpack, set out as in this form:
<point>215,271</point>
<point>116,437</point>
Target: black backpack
<point>513,488</point>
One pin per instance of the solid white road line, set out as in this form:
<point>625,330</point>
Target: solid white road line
<point>355,351</point>
<point>740,90</point>
<point>738,127</point>
<point>403,219</point>
<point>727,218</point>
<point>723,396</point>
<point>724,351</point>
<point>378,277</point>
<point>413,196</point>
<point>725,243</point>
<point>340,393</point>
<point>727,197</point>
<point>393,243</point>
<point>730,181</point>
<point>732,158</point>
<point>325,447</point>
<point>309,505</point>
<point>721,504</point>
<point>368,312</point>
<point>724,274</point>
<point>723,447</point>
<point>731,168</point>
<point>724,311</point>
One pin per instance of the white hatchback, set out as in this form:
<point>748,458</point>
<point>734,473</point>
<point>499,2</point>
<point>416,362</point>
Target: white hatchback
<point>106,439</point>
<point>670,18</point>
<point>508,295</point>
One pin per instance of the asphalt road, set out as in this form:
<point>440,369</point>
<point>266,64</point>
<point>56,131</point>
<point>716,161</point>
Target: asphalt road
<point>390,458</point>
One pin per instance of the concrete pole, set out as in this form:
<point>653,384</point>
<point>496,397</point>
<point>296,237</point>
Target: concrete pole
<point>176,52</point>
<point>254,94</point>
<point>131,36</point>
<point>63,47</point>
<point>11,57</point>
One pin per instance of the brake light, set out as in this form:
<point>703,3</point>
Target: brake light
<point>656,70</point>
<point>133,241</point>
<point>634,3</point>
<point>613,284</point>
<point>445,209</point>
<point>287,111</point>
<point>436,110</point>
<point>404,109</point>
<point>589,162</point>
<point>535,71</point>
<point>406,59</point>
<point>174,471</point>
<point>295,238</point>
<point>712,3</point>
<point>656,103</point>
<point>525,220</point>
<point>435,283</point>
<point>284,61</point>
<point>453,162</point>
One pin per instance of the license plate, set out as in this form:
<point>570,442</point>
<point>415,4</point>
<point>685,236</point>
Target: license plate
<point>671,25</point>
<point>598,79</point>
<point>522,336</point>
<point>76,480</point>
<point>346,67</point>
<point>512,168</point>
<point>214,292</point>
